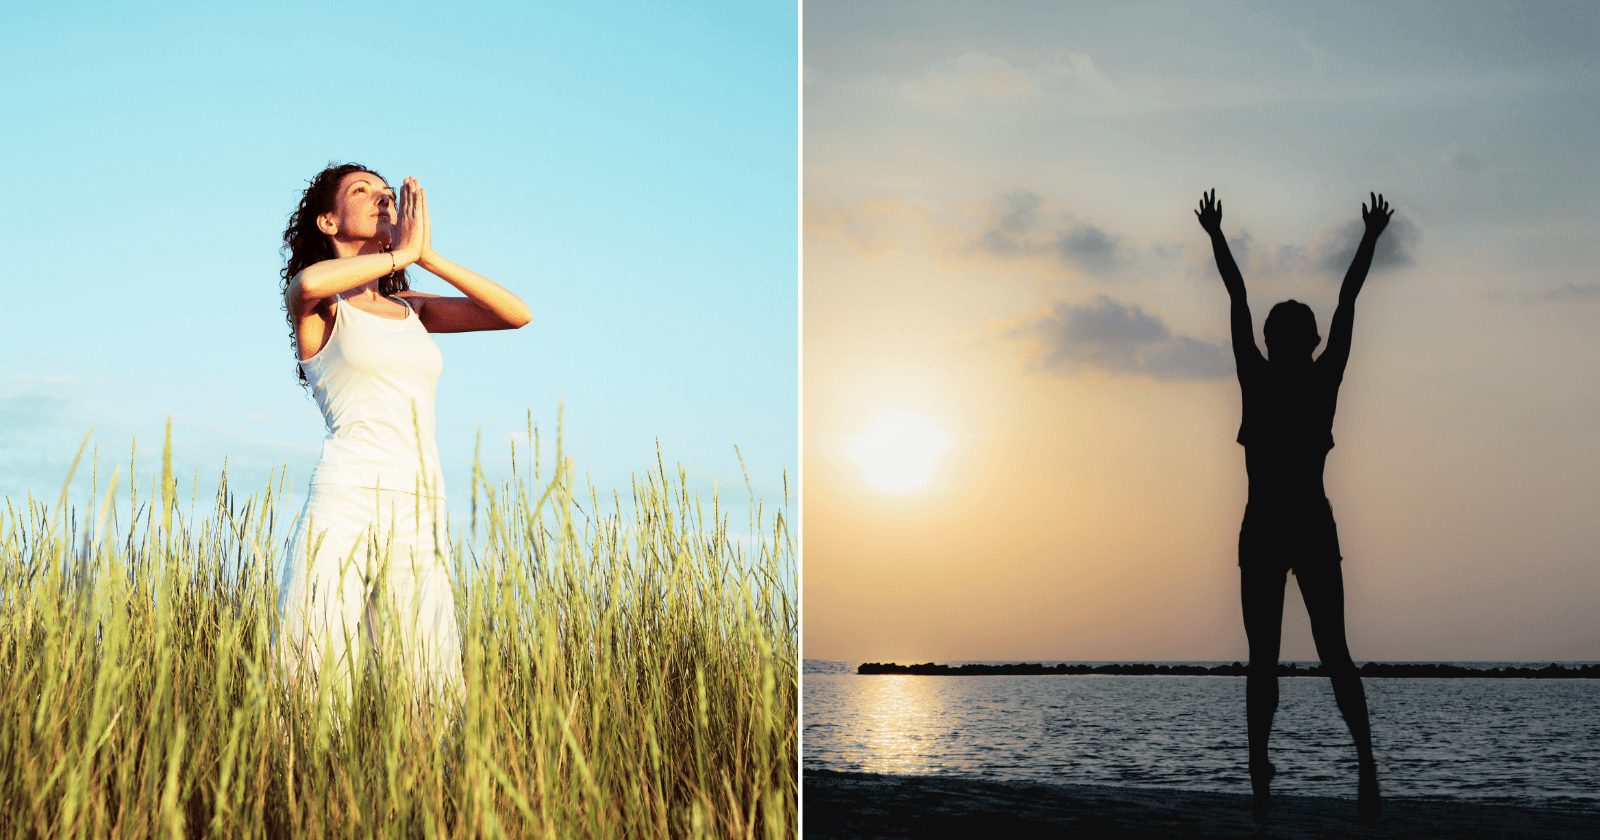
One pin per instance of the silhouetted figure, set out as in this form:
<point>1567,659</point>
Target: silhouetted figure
<point>1286,432</point>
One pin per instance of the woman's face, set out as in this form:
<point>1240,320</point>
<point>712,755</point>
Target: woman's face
<point>363,208</point>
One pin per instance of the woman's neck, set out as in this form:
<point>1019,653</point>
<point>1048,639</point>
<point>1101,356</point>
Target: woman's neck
<point>365,291</point>
<point>355,247</point>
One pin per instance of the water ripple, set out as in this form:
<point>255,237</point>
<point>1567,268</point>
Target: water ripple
<point>1529,741</point>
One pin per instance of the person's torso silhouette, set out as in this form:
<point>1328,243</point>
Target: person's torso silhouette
<point>1287,430</point>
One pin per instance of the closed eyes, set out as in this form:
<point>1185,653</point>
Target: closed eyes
<point>361,186</point>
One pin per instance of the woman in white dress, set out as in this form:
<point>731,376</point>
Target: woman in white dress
<point>367,567</point>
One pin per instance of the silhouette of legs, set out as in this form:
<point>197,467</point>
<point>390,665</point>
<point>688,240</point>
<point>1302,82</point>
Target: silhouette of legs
<point>1261,595</point>
<point>1322,587</point>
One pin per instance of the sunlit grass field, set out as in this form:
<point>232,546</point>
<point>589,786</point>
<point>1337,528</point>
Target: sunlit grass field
<point>631,667</point>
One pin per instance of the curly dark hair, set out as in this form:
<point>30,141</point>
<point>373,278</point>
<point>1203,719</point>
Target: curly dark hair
<point>306,245</point>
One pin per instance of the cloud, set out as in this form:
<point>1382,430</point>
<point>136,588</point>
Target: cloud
<point>977,84</point>
<point>1262,259</point>
<point>1572,293</point>
<point>970,76</point>
<point>877,227</point>
<point>1017,226</point>
<point>1290,258</point>
<point>1089,248</point>
<point>45,416</point>
<point>1337,246</point>
<point>1567,294</point>
<point>22,414</point>
<point>47,380</point>
<point>1120,339</point>
<point>1462,160</point>
<point>1465,162</point>
<point>1169,250</point>
<point>1010,232</point>
<point>39,432</point>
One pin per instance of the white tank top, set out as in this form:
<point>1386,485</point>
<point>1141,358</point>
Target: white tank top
<point>375,381</point>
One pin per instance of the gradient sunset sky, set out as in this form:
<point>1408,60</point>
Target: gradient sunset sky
<point>999,249</point>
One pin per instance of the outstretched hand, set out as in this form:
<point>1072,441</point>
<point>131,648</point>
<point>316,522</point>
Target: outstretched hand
<point>1376,218</point>
<point>1210,212</point>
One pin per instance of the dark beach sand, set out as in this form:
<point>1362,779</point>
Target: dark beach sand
<point>864,805</point>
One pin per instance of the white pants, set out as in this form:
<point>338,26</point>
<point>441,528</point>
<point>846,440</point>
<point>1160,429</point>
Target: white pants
<point>368,570</point>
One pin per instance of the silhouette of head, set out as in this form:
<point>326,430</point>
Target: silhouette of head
<point>1291,332</point>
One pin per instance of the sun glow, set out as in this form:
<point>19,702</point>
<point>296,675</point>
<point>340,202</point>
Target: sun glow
<point>898,451</point>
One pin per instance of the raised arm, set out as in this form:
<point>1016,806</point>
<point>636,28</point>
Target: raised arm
<point>486,306</point>
<point>340,274</point>
<point>1339,332</point>
<point>1244,335</point>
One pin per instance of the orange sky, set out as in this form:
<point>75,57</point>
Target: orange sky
<point>998,238</point>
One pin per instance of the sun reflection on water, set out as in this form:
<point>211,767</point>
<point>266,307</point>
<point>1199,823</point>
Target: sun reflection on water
<point>901,719</point>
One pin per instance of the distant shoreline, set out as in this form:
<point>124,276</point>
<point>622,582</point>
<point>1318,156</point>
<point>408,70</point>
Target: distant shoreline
<point>1381,670</point>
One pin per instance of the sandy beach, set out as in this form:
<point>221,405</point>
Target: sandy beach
<point>864,805</point>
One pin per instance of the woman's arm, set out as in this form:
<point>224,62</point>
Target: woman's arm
<point>1341,330</point>
<point>1244,336</point>
<point>341,274</point>
<point>486,306</point>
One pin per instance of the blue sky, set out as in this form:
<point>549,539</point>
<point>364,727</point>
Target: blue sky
<point>628,169</point>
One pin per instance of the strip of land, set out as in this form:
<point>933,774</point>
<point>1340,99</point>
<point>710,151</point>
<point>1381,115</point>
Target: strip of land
<point>1237,669</point>
<point>864,805</point>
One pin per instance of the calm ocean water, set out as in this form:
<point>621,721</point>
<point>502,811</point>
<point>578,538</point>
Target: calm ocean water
<point>1506,740</point>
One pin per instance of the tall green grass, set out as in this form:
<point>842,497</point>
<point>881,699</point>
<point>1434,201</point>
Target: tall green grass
<point>631,670</point>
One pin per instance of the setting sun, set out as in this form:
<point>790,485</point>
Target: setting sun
<point>898,451</point>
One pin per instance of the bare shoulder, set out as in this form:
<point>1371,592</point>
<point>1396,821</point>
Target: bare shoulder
<point>321,308</point>
<point>301,306</point>
<point>312,327</point>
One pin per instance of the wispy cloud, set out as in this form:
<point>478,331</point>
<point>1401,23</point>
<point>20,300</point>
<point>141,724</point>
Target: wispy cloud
<point>23,414</point>
<point>967,76</point>
<point>46,380</point>
<point>1018,225</point>
<point>976,83</point>
<point>1573,293</point>
<point>1012,229</point>
<point>1021,224</point>
<point>1337,246</point>
<point>41,424</point>
<point>44,416</point>
<point>1464,161</point>
<point>1261,259</point>
<point>878,227</point>
<point>1089,248</point>
<point>1114,337</point>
